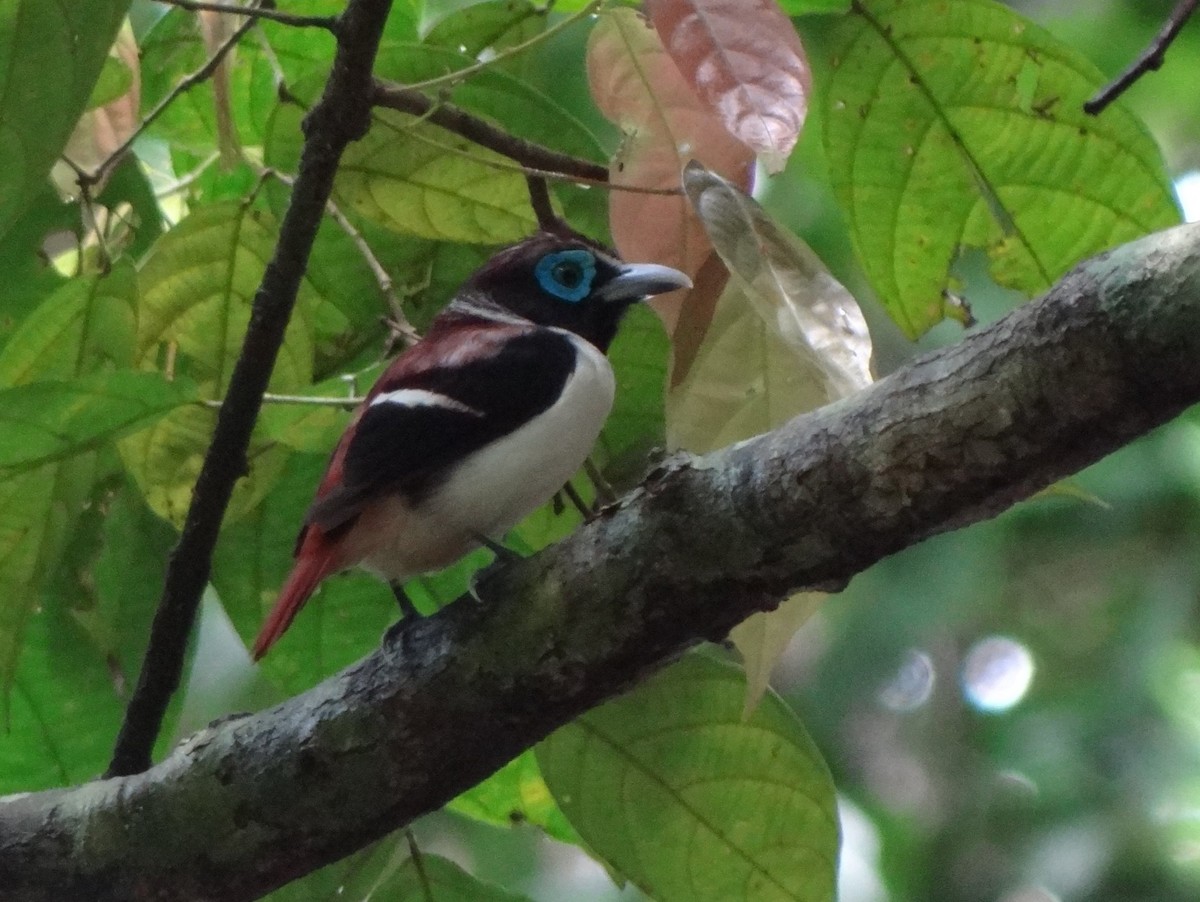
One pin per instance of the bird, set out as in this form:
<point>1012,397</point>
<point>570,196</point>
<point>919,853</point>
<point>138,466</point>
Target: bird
<point>477,424</point>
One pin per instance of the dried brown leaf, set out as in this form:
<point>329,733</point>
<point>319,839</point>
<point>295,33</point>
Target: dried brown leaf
<point>745,61</point>
<point>637,86</point>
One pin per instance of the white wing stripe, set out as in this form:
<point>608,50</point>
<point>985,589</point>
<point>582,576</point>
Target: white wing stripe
<point>420,397</point>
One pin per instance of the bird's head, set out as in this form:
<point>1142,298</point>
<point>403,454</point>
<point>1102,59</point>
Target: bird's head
<point>569,282</point>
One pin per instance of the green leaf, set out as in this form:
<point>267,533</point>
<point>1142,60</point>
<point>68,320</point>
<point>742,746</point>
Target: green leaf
<point>50,56</point>
<point>418,179</point>
<point>955,125</point>
<point>639,356</point>
<point>49,420</point>
<point>385,871</point>
<point>493,25</point>
<point>516,794</point>
<point>128,577</point>
<point>689,802</point>
<point>197,289</point>
<point>27,278</point>
<point>114,80</point>
<point>63,706</point>
<point>811,7</point>
<point>86,324</point>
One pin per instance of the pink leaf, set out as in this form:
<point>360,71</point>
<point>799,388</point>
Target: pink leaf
<point>638,87</point>
<point>744,59</point>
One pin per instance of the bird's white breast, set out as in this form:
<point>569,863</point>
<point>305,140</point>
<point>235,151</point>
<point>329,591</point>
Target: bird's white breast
<point>511,477</point>
<point>496,486</point>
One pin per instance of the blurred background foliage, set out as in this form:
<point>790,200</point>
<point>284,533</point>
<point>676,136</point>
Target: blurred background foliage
<point>1010,711</point>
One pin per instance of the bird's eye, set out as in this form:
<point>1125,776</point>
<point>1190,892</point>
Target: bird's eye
<point>567,275</point>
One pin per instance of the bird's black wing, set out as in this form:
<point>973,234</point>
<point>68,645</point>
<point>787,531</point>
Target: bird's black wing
<point>420,422</point>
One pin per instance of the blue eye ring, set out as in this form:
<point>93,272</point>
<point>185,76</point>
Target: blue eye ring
<point>568,275</point>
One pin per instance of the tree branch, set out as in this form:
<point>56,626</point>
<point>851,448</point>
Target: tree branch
<point>483,133</point>
<point>1149,60</point>
<point>341,116</point>
<point>952,438</point>
<point>265,11</point>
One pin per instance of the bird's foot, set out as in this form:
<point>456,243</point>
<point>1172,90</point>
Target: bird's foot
<point>407,608</point>
<point>504,557</point>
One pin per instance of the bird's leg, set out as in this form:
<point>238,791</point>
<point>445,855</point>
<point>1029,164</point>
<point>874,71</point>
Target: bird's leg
<point>504,557</point>
<point>576,499</point>
<point>407,608</point>
<point>503,553</point>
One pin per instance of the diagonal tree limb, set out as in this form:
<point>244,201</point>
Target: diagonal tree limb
<point>341,116</point>
<point>954,437</point>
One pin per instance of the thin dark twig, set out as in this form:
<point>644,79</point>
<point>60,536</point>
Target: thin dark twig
<point>266,11</point>
<point>186,84</point>
<point>342,115</point>
<point>485,134</point>
<point>1151,59</point>
<point>539,199</point>
<point>415,853</point>
<point>398,319</point>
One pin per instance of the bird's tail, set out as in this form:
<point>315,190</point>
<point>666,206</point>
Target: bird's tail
<point>314,562</point>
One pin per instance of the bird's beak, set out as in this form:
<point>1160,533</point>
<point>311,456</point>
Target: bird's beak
<point>636,281</point>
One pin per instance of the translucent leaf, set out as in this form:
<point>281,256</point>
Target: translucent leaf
<point>744,60</point>
<point>196,293</point>
<point>787,283</point>
<point>960,124</point>
<point>786,337</point>
<point>51,54</point>
<point>689,802</point>
<point>637,86</point>
<point>763,638</point>
<point>746,380</point>
<point>49,420</point>
<point>516,794</point>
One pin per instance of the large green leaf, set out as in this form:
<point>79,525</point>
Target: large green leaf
<point>691,802</point>
<point>63,706</point>
<point>516,794</point>
<point>196,292</point>
<point>959,124</point>
<point>47,421</point>
<point>85,325</point>
<point>385,871</point>
<point>51,53</point>
<point>421,180</point>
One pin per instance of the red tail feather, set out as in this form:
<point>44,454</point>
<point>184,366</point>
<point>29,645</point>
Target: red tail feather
<point>315,561</point>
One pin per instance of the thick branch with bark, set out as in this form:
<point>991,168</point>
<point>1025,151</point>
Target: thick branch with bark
<point>954,437</point>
